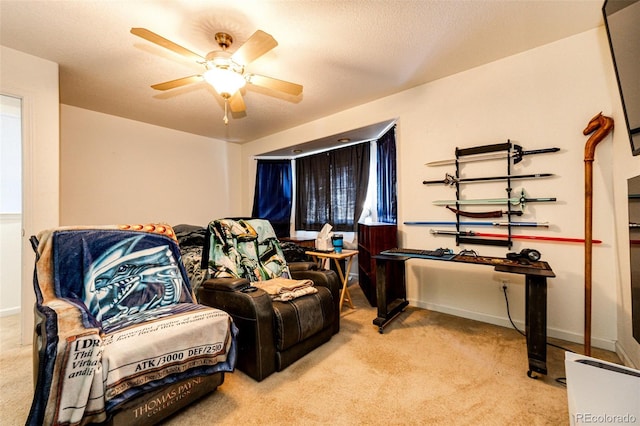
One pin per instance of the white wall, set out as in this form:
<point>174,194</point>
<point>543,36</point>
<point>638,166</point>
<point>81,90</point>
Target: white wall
<point>541,98</point>
<point>538,99</point>
<point>115,170</point>
<point>35,81</point>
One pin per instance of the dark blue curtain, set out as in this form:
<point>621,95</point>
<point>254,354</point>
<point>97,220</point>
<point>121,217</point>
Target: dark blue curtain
<point>387,177</point>
<point>272,196</point>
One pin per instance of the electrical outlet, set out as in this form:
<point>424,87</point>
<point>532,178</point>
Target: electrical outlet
<point>504,286</point>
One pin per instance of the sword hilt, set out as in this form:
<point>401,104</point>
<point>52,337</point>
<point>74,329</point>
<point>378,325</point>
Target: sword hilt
<point>483,149</point>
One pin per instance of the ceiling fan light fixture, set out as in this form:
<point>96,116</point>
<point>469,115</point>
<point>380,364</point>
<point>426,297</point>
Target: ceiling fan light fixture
<point>224,80</point>
<point>225,71</point>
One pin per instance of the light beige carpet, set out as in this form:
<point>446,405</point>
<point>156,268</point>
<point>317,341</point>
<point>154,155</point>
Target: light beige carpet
<point>427,368</point>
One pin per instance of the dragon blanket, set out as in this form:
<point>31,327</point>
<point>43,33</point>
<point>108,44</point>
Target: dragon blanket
<point>117,318</point>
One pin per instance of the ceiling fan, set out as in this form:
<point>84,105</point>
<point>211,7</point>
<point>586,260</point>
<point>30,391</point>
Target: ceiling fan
<point>225,71</point>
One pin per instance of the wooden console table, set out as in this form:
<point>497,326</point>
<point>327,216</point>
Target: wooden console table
<point>390,274</point>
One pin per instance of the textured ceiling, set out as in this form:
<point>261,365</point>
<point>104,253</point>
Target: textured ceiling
<point>343,52</point>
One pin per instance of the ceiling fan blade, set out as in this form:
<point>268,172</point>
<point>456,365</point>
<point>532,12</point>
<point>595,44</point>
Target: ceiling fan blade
<point>236,103</point>
<point>167,44</point>
<point>257,45</point>
<point>178,82</point>
<point>275,84</point>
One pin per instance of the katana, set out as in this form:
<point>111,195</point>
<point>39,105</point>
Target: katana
<point>515,201</point>
<point>486,215</point>
<point>516,155</point>
<point>471,223</point>
<point>515,237</point>
<point>452,180</point>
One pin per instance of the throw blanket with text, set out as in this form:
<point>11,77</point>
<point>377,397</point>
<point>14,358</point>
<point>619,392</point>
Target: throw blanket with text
<point>120,320</point>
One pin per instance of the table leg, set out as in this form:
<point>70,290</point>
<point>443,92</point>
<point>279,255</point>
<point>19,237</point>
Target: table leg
<point>536,323</point>
<point>390,289</point>
<point>320,261</point>
<point>344,279</point>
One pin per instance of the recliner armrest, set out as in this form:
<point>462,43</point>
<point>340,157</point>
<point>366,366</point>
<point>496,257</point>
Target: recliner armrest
<point>302,266</point>
<point>226,284</point>
<point>237,297</point>
<point>321,277</point>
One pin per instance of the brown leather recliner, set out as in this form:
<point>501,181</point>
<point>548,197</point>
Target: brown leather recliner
<point>272,334</point>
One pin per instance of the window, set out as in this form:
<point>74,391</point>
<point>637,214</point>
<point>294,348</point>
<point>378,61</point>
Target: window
<point>331,188</point>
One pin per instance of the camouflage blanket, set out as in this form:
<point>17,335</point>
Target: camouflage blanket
<point>244,249</point>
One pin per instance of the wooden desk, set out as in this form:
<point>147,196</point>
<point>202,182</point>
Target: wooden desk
<point>320,256</point>
<point>390,274</point>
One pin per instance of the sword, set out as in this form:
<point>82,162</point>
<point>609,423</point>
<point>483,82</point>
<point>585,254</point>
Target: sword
<point>452,180</point>
<point>517,155</point>
<point>471,223</point>
<point>494,213</point>
<point>513,201</point>
<point>515,237</point>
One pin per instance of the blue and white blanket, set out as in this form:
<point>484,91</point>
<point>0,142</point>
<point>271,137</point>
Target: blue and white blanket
<point>120,320</point>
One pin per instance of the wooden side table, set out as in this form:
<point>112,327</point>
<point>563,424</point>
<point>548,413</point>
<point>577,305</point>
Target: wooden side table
<point>320,256</point>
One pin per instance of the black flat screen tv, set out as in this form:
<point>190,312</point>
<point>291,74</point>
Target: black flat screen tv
<point>622,21</point>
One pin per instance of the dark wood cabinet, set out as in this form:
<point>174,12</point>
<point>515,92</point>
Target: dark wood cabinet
<point>372,239</point>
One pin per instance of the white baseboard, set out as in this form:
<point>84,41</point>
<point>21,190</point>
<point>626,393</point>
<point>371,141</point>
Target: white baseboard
<point>9,311</point>
<point>504,322</point>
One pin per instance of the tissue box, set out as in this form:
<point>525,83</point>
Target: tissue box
<point>324,244</point>
<point>323,240</point>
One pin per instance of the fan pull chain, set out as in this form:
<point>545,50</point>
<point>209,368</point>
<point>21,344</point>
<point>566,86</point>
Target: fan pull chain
<point>226,119</point>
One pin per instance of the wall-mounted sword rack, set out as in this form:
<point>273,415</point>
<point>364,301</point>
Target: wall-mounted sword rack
<point>460,238</point>
<point>512,153</point>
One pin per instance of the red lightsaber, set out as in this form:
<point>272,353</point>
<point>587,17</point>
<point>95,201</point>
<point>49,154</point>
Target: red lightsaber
<point>515,237</point>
